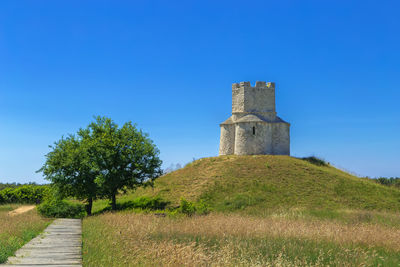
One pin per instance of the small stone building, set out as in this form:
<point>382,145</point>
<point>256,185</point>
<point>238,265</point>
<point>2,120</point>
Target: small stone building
<point>254,128</point>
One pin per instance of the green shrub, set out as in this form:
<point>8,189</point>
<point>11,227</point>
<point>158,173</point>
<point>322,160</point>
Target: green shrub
<point>57,208</point>
<point>202,208</point>
<point>316,161</point>
<point>392,181</point>
<point>189,208</point>
<point>32,194</point>
<point>8,195</point>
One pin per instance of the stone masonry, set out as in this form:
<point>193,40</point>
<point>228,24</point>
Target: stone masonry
<point>254,128</point>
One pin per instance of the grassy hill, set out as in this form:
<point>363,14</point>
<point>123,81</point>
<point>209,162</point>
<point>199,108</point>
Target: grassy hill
<point>301,214</point>
<point>260,183</point>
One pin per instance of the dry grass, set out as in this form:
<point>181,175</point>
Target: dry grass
<point>233,240</point>
<point>247,227</point>
<point>16,230</point>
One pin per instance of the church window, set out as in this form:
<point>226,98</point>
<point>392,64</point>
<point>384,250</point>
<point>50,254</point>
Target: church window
<point>254,130</point>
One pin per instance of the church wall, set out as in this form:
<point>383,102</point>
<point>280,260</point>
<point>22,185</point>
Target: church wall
<point>227,139</point>
<point>247,143</point>
<point>281,139</point>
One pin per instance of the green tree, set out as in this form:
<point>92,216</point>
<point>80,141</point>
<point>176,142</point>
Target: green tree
<point>101,160</point>
<point>70,168</point>
<point>124,157</point>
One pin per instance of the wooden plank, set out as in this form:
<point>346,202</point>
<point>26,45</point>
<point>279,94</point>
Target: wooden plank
<point>59,245</point>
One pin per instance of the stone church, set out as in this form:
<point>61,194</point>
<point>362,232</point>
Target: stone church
<point>254,128</point>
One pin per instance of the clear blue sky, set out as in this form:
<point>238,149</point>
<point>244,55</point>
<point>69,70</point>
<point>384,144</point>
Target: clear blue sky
<point>169,66</point>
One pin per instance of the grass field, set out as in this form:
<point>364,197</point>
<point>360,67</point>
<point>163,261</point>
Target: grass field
<point>15,231</point>
<point>128,239</point>
<point>266,211</point>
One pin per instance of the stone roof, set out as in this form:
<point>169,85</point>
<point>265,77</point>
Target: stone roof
<point>278,119</point>
<point>228,121</point>
<point>250,118</point>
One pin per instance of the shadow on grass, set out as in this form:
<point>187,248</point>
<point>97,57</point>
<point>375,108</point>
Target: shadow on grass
<point>143,203</point>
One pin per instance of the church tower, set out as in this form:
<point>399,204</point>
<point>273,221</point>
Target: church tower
<point>254,128</point>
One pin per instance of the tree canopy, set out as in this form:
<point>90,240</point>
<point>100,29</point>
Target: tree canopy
<point>101,160</point>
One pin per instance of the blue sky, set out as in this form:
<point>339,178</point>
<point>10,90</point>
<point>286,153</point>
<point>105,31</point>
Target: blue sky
<point>169,66</point>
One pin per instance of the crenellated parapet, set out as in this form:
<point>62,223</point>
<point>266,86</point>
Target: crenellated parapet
<point>254,99</point>
<point>259,84</point>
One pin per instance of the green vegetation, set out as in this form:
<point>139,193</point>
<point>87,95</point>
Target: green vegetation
<point>316,161</point>
<point>263,184</point>
<point>392,181</point>
<point>102,160</point>
<point>154,205</point>
<point>29,193</point>
<point>189,208</point>
<point>16,230</point>
<point>58,208</point>
<point>14,185</point>
<point>146,204</point>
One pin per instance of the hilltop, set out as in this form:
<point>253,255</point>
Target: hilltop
<point>260,183</point>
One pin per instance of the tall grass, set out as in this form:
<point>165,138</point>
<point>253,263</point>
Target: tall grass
<point>15,231</point>
<point>125,239</point>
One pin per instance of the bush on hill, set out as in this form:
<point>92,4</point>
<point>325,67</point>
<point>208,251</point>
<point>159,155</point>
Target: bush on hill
<point>189,208</point>
<point>316,161</point>
<point>392,181</point>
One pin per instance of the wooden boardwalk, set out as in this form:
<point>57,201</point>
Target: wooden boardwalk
<point>59,245</point>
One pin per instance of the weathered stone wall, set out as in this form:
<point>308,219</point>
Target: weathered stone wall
<point>248,142</point>
<point>237,99</point>
<point>227,140</point>
<point>281,138</point>
<point>257,99</point>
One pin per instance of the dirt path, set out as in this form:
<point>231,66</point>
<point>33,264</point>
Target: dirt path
<point>20,210</point>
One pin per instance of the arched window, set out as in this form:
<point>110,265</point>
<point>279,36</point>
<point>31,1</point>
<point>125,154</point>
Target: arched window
<point>254,130</point>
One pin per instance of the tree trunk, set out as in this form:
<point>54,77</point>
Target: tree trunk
<point>113,202</point>
<point>89,206</point>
